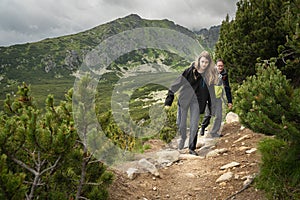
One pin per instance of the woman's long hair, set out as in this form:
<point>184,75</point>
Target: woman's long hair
<point>211,74</point>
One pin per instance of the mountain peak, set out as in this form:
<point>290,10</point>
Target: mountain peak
<point>132,16</point>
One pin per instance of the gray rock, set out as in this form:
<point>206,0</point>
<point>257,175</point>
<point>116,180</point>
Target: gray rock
<point>167,157</point>
<point>225,177</point>
<point>216,152</point>
<point>251,150</point>
<point>242,138</point>
<point>231,117</point>
<point>230,165</point>
<point>131,173</point>
<point>145,164</point>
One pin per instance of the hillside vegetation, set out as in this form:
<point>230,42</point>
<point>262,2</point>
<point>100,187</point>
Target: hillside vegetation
<point>261,51</point>
<point>43,139</point>
<point>49,65</point>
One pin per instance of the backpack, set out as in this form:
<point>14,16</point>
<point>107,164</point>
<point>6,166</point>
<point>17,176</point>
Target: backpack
<point>219,87</point>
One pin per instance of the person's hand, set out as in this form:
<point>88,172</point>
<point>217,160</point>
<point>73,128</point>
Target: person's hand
<point>167,108</point>
<point>230,106</point>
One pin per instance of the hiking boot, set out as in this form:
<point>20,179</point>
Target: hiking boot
<point>202,130</point>
<point>182,151</point>
<point>193,152</point>
<point>181,144</point>
<point>215,135</point>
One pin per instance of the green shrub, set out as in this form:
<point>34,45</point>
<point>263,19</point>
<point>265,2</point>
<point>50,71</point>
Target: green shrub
<point>268,104</point>
<point>169,131</point>
<point>280,169</point>
<point>41,154</point>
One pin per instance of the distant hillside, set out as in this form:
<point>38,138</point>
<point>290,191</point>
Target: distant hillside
<point>48,65</point>
<point>209,37</point>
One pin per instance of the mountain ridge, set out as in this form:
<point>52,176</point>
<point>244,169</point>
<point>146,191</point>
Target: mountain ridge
<point>209,37</point>
<point>52,61</point>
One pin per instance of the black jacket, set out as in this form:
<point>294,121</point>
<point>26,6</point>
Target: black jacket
<point>190,83</point>
<point>226,85</point>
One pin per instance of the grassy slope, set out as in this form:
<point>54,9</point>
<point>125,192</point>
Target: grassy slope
<point>26,62</point>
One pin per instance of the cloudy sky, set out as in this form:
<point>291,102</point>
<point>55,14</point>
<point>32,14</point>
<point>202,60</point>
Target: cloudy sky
<point>24,21</point>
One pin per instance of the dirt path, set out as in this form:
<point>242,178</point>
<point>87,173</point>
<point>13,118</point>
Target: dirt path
<point>194,178</point>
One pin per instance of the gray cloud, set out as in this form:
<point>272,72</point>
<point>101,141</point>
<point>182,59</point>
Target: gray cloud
<point>33,20</point>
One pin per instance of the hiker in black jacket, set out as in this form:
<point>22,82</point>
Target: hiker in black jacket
<point>196,87</point>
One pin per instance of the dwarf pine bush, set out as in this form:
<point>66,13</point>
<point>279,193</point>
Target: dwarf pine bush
<point>41,154</point>
<point>267,103</point>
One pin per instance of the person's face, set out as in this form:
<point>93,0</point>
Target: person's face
<point>204,62</point>
<point>220,66</point>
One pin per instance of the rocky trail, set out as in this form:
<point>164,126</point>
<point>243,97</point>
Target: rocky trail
<point>224,170</point>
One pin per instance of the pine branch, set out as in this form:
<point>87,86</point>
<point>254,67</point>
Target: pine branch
<point>37,173</point>
<point>94,184</point>
<point>28,182</point>
<point>83,198</point>
<point>52,167</point>
<point>84,164</point>
<point>24,165</point>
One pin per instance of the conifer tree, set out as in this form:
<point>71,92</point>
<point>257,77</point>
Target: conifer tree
<point>40,150</point>
<point>11,184</point>
<point>92,142</point>
<point>256,32</point>
<point>267,103</point>
<point>290,52</point>
<point>36,145</point>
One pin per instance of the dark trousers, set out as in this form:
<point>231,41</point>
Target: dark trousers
<point>206,118</point>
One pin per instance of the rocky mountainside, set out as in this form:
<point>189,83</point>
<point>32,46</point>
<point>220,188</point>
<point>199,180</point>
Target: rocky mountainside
<point>66,52</point>
<point>209,37</point>
<point>48,65</point>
